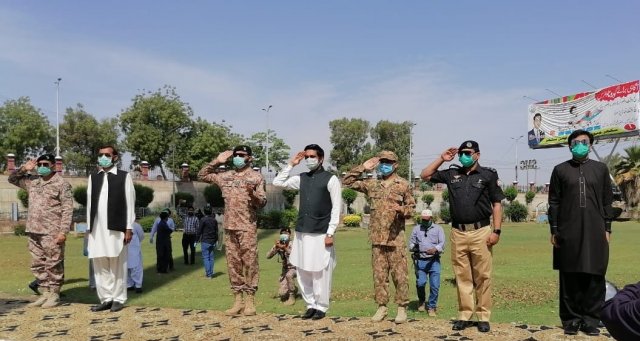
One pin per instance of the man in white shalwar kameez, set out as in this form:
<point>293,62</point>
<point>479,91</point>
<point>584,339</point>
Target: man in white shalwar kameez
<point>110,215</point>
<point>134,259</point>
<point>312,251</point>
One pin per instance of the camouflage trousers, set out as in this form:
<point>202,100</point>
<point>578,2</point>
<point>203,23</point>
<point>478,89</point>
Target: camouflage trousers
<point>241,251</point>
<point>47,260</point>
<point>385,260</point>
<point>287,282</point>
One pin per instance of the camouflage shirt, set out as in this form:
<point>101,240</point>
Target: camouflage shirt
<point>387,225</point>
<point>50,203</point>
<point>243,194</point>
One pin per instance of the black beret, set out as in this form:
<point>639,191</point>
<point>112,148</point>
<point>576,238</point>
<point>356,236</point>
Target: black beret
<point>469,144</point>
<point>243,148</point>
<point>47,157</point>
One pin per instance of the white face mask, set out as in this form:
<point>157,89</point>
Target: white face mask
<point>312,163</point>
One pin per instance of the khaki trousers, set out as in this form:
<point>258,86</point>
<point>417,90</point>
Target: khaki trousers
<point>471,259</point>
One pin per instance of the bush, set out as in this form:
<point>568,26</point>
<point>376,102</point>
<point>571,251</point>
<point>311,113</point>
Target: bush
<point>511,193</point>
<point>516,211</point>
<point>270,220</point>
<point>289,197</point>
<point>80,195</point>
<point>144,195</point>
<point>445,214</point>
<point>184,199</point>
<point>352,220</point>
<point>213,196</point>
<point>147,223</point>
<point>20,230</point>
<point>289,217</point>
<point>426,186</point>
<point>23,196</point>
<point>529,196</point>
<point>427,199</point>
<point>349,196</point>
<point>445,195</point>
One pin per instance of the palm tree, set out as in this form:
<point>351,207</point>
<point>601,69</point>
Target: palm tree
<point>626,175</point>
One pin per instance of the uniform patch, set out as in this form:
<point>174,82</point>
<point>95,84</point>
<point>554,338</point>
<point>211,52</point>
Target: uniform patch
<point>453,181</point>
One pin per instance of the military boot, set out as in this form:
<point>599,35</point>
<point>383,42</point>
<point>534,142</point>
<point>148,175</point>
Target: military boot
<point>53,300</point>
<point>380,314</point>
<point>291,300</point>
<point>237,305</point>
<point>401,317</point>
<point>40,301</point>
<point>249,305</point>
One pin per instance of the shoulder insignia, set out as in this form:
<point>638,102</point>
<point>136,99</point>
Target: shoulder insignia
<point>490,169</point>
<point>454,166</point>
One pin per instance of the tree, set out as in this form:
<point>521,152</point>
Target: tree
<point>289,197</point>
<point>529,196</point>
<point>80,195</point>
<point>348,137</point>
<point>511,193</point>
<point>23,196</point>
<point>144,195</point>
<point>278,150</point>
<point>627,171</point>
<point>155,126</point>
<point>427,199</point>
<point>204,142</point>
<point>24,130</point>
<point>349,196</point>
<point>516,211</point>
<point>81,135</point>
<point>392,136</point>
<point>445,195</point>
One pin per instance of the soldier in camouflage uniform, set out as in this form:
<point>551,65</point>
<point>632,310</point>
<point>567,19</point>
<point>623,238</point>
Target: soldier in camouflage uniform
<point>243,192</point>
<point>48,222</point>
<point>391,203</point>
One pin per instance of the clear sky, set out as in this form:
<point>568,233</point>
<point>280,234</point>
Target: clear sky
<point>459,69</point>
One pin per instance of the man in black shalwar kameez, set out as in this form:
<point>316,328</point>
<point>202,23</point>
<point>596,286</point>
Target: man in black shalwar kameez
<point>580,214</point>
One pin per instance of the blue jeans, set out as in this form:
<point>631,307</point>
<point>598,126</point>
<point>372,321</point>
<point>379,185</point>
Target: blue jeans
<point>428,268</point>
<point>208,258</point>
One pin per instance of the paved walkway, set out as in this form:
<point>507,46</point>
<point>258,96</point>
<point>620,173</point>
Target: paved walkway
<point>74,321</point>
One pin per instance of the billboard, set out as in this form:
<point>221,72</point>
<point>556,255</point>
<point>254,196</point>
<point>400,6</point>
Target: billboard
<point>607,113</point>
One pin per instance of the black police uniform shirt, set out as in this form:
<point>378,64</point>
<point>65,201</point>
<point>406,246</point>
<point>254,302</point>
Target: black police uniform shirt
<point>471,196</point>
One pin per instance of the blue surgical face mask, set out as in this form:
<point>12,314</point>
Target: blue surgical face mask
<point>580,151</point>
<point>239,162</point>
<point>105,162</point>
<point>385,169</point>
<point>466,160</point>
<point>44,171</point>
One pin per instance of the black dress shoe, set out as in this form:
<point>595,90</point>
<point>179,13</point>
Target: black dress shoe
<point>318,315</point>
<point>138,290</point>
<point>461,325</point>
<point>309,314</point>
<point>116,306</point>
<point>571,328</point>
<point>484,327</point>
<point>590,330</point>
<point>34,286</point>
<point>102,306</point>
<point>130,288</point>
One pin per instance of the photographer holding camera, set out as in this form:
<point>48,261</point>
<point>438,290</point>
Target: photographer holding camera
<point>282,247</point>
<point>426,244</point>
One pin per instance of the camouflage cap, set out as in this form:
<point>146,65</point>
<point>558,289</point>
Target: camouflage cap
<point>242,148</point>
<point>470,144</point>
<point>388,155</point>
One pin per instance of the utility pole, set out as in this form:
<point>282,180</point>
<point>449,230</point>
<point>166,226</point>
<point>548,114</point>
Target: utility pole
<point>267,141</point>
<point>516,139</point>
<point>57,83</point>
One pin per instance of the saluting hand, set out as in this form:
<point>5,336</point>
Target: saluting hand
<point>449,154</point>
<point>224,156</point>
<point>30,165</point>
<point>297,158</point>
<point>371,163</point>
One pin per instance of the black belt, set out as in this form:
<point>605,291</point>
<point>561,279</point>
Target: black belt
<point>472,226</point>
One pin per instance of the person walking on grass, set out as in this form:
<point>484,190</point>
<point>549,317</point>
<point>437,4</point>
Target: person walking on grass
<point>48,222</point>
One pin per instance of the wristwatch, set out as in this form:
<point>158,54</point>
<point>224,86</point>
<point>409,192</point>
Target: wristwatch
<point>330,235</point>
<point>497,231</point>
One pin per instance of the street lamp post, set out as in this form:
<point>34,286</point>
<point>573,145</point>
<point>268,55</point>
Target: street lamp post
<point>411,125</point>
<point>516,139</point>
<point>267,140</point>
<point>57,82</point>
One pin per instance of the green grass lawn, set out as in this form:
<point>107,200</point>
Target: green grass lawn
<point>525,286</point>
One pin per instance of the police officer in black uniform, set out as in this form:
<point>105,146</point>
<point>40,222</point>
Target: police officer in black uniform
<point>474,197</point>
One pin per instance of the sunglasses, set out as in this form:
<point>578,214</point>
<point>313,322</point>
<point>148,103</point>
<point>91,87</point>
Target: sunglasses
<point>240,155</point>
<point>466,152</point>
<point>44,164</point>
<point>105,154</point>
<point>577,142</point>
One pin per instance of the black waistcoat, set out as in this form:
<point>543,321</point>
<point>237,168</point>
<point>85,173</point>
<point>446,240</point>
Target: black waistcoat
<point>116,204</point>
<point>315,202</point>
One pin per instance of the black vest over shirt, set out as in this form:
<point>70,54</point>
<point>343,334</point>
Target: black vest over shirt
<point>117,202</point>
<point>315,202</point>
